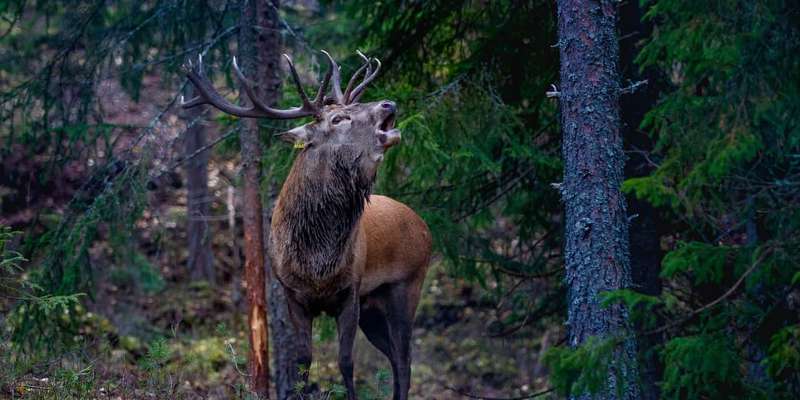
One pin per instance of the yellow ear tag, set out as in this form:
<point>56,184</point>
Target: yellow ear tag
<point>299,145</point>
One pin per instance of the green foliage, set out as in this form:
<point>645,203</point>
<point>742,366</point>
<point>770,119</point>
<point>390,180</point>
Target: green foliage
<point>725,130</point>
<point>47,314</point>
<point>642,307</point>
<point>569,374</point>
<point>158,353</point>
<point>9,259</point>
<point>706,262</point>
<point>783,356</point>
<point>380,388</point>
<point>324,328</point>
<point>701,366</point>
<point>73,383</point>
<point>733,68</point>
<point>465,170</point>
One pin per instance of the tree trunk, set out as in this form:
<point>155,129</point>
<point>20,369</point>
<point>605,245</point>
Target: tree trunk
<point>645,235</point>
<point>257,27</point>
<point>201,261</point>
<point>284,347</point>
<point>596,248</point>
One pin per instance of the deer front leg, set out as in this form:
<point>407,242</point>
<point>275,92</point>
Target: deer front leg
<point>346,323</point>
<point>302,321</point>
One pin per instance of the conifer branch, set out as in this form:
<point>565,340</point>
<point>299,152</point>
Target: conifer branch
<point>716,301</point>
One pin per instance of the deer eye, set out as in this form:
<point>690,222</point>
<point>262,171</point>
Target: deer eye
<point>339,118</point>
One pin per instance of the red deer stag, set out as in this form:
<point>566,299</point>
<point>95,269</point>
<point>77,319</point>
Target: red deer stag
<point>336,248</point>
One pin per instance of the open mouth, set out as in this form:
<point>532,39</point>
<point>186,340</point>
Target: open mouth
<point>388,136</point>
<point>388,123</point>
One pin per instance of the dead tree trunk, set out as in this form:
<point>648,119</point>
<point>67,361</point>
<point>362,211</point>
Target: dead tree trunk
<point>198,232</point>
<point>596,248</point>
<point>254,52</point>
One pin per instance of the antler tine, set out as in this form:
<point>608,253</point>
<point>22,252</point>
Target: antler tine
<point>188,68</point>
<point>359,90</point>
<point>247,85</point>
<point>367,65</point>
<point>367,60</point>
<point>209,95</point>
<point>193,102</point>
<point>337,79</point>
<point>320,98</point>
<point>296,78</point>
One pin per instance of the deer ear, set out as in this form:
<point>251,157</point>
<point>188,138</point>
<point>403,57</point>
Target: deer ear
<point>299,136</point>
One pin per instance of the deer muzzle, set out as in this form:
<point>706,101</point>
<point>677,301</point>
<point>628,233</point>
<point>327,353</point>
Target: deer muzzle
<point>389,138</point>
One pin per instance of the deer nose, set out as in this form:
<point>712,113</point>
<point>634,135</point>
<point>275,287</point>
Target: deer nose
<point>389,105</point>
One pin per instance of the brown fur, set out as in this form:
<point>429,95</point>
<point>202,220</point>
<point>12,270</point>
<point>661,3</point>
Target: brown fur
<point>398,245</point>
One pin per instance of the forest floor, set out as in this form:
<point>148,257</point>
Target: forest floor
<point>189,341</point>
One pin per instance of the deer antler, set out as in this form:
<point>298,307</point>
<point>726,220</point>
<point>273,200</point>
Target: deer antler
<point>351,95</point>
<point>367,65</point>
<point>209,95</point>
<point>368,77</point>
<point>337,79</point>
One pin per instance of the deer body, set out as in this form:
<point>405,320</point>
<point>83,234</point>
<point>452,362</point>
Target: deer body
<point>398,245</point>
<point>340,250</point>
<point>371,239</point>
<point>335,247</point>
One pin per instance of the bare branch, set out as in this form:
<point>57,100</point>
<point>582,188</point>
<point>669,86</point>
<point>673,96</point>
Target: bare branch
<point>632,87</point>
<point>553,92</point>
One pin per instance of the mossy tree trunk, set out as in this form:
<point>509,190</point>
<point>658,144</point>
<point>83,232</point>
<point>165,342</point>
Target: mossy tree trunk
<point>281,330</point>
<point>596,249</point>
<point>256,45</point>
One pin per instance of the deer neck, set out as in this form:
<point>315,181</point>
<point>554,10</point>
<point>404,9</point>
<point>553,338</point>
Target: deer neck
<point>318,211</point>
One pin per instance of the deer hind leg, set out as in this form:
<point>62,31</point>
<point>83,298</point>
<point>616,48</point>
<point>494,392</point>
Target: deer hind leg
<point>375,325</point>
<point>402,304</point>
<point>386,320</point>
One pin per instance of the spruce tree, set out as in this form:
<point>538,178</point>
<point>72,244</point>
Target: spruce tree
<point>596,232</point>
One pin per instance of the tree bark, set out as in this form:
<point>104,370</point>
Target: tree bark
<point>596,249</point>
<point>198,232</point>
<point>257,27</point>
<point>282,334</point>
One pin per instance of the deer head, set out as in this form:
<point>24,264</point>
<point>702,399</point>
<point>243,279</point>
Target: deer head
<point>340,122</point>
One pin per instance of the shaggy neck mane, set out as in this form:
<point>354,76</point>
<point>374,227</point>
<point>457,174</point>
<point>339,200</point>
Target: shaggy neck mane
<point>322,208</point>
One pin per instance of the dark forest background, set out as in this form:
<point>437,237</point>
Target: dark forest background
<point>120,214</point>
